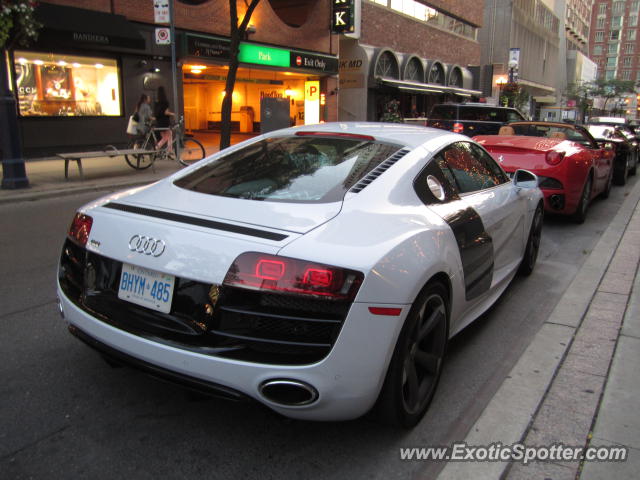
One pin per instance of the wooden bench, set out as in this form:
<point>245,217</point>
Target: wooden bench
<point>110,151</point>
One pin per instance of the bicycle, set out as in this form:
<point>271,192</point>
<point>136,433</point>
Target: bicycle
<point>191,150</point>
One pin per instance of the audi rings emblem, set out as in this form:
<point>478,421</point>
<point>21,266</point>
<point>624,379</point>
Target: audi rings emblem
<point>147,245</point>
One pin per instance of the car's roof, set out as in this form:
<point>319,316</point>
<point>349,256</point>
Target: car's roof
<point>405,134</point>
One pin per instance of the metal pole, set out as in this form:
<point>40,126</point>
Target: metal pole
<point>174,70</point>
<point>14,173</point>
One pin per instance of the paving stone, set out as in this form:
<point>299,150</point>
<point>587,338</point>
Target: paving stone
<point>613,315</point>
<point>618,419</point>
<point>587,364</point>
<point>541,471</point>
<point>631,322</point>
<point>616,283</point>
<point>627,470</point>
<point>567,412</point>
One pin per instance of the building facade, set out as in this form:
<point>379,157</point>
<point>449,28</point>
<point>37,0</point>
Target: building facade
<point>415,53</point>
<point>530,28</point>
<point>614,40</point>
<point>80,82</point>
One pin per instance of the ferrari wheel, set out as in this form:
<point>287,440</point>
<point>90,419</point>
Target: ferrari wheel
<point>583,206</point>
<point>416,364</point>
<point>533,244</point>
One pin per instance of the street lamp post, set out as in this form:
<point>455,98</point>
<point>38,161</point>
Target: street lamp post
<point>500,82</point>
<point>14,174</point>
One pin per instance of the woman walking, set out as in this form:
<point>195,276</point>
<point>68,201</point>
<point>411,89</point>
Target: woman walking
<point>163,120</point>
<point>143,110</point>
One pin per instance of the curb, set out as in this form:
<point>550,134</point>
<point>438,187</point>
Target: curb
<point>509,415</point>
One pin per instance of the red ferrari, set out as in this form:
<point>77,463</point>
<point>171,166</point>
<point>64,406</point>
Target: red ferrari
<point>572,167</point>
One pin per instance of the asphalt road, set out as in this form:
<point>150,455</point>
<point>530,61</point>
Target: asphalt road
<point>64,413</point>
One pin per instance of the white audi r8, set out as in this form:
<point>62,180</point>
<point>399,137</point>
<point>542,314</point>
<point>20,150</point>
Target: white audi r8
<point>320,270</point>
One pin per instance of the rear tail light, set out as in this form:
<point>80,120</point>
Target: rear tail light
<point>553,157</point>
<point>458,128</point>
<point>259,271</point>
<point>80,228</point>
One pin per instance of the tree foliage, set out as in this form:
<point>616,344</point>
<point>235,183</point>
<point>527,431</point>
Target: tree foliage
<point>583,93</point>
<point>18,25</point>
<point>238,33</point>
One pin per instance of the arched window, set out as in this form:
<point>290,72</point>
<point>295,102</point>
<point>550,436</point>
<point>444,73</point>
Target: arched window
<point>292,12</point>
<point>436,74</point>
<point>414,72</point>
<point>387,66</point>
<point>455,77</point>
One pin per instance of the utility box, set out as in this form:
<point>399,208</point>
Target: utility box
<point>274,114</point>
<point>246,119</point>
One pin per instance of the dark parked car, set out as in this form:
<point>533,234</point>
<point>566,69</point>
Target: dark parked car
<point>472,119</point>
<point>625,146</point>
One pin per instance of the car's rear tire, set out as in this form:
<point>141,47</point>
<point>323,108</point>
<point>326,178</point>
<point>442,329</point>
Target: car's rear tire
<point>530,256</point>
<point>621,172</point>
<point>416,365</point>
<point>580,214</point>
<point>607,189</point>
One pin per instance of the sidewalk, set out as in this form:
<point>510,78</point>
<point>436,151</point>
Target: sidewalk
<point>46,175</point>
<point>577,384</point>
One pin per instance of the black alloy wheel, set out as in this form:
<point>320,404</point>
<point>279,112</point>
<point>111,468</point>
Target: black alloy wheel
<point>581,211</point>
<point>533,243</point>
<point>621,171</point>
<point>416,364</point>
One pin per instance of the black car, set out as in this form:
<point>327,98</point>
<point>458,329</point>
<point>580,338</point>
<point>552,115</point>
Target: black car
<point>625,146</point>
<point>472,119</point>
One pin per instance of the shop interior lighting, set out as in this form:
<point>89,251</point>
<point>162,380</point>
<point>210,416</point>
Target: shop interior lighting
<point>76,65</point>
<point>62,63</point>
<point>99,65</point>
<point>38,62</point>
<point>22,60</point>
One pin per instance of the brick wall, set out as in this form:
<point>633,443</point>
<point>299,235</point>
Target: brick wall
<point>384,28</point>
<point>213,17</point>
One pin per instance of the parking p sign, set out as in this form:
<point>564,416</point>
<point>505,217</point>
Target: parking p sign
<point>163,36</point>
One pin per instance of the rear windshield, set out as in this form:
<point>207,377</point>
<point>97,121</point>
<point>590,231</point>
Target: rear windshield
<point>471,113</point>
<point>309,169</point>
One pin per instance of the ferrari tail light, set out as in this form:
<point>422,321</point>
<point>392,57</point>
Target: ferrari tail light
<point>553,157</point>
<point>80,228</point>
<point>260,271</point>
<point>458,127</point>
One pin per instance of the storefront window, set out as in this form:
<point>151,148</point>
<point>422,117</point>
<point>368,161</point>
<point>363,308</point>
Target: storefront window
<point>66,85</point>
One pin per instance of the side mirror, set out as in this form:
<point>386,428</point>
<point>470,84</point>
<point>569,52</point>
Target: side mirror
<point>525,179</point>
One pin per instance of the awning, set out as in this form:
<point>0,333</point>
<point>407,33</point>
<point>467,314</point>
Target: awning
<point>426,88</point>
<point>463,92</point>
<point>78,27</point>
<point>414,87</point>
<point>545,99</point>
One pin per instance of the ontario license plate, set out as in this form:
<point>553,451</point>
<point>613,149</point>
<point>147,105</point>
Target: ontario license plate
<point>146,287</point>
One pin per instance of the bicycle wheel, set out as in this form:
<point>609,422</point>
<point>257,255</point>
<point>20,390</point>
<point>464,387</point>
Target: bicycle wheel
<point>191,150</point>
<point>140,161</point>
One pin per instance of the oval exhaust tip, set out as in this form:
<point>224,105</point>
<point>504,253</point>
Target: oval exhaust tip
<point>290,393</point>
